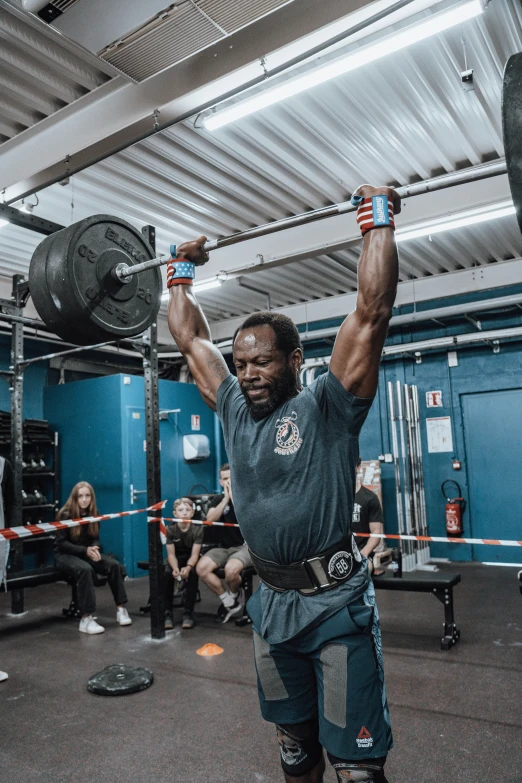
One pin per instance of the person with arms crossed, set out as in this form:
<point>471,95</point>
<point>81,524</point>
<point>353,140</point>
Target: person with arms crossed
<point>315,607</point>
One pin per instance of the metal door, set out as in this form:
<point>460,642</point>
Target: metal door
<point>493,437</point>
<point>137,488</point>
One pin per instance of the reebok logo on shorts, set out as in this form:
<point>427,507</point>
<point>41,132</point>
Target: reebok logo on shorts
<point>364,738</point>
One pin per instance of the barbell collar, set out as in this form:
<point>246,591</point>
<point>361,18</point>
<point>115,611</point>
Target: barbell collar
<point>124,273</point>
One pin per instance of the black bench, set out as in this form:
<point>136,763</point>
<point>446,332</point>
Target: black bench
<point>19,580</point>
<point>440,584</point>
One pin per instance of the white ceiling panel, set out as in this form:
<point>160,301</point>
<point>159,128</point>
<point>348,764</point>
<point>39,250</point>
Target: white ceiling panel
<point>397,121</point>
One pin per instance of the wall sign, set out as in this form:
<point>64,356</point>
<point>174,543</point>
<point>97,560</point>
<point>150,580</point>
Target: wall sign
<point>195,422</point>
<point>434,399</point>
<point>439,434</point>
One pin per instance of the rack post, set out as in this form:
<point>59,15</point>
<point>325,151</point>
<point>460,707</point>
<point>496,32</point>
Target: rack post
<point>20,294</point>
<point>151,382</point>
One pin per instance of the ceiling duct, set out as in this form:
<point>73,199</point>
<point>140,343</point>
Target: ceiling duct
<point>181,31</point>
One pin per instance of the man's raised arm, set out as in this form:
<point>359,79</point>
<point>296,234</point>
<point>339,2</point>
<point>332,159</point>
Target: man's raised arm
<point>188,325</point>
<point>360,340</point>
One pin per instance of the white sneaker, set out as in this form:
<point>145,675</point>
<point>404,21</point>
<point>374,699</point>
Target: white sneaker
<point>89,625</point>
<point>3,676</point>
<point>122,616</point>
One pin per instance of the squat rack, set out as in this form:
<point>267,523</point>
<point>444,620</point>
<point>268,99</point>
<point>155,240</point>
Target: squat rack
<point>12,311</point>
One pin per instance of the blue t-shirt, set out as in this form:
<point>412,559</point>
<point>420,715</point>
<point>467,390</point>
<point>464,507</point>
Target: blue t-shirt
<point>293,478</point>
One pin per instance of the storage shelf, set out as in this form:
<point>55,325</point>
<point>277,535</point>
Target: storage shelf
<point>35,474</point>
<point>45,505</point>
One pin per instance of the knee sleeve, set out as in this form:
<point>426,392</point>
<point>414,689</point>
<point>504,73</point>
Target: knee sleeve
<point>299,746</point>
<point>366,771</point>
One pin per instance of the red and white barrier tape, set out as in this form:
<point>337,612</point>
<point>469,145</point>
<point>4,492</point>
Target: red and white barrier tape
<point>435,539</point>
<point>443,539</point>
<point>23,531</point>
<point>206,522</point>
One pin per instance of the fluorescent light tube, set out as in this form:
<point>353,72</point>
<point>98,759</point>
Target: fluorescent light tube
<point>204,285</point>
<point>432,25</point>
<point>458,220</point>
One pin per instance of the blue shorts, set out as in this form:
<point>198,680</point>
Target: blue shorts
<point>332,673</point>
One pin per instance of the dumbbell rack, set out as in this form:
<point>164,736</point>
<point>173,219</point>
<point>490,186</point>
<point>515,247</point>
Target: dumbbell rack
<point>46,482</point>
<point>42,480</point>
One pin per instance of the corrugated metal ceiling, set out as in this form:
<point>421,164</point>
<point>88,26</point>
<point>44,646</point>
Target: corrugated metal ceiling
<point>40,72</point>
<point>397,121</point>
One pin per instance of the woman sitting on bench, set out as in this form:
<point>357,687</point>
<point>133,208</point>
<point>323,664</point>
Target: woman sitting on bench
<point>77,553</point>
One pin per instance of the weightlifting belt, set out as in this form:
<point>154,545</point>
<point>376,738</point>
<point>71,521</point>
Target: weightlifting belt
<point>315,574</point>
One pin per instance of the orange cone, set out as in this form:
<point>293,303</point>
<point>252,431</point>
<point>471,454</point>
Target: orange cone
<point>210,649</point>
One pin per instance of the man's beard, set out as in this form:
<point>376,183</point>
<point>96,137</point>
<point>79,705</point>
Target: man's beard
<point>284,388</point>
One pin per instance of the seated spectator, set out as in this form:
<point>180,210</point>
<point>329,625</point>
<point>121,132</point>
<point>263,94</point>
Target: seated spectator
<point>232,555</point>
<point>184,542</point>
<point>367,518</point>
<point>77,552</point>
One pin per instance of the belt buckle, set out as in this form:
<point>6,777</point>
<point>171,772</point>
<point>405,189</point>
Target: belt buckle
<point>318,574</point>
<point>327,574</point>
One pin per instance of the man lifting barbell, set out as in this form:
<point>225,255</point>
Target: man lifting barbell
<point>315,607</point>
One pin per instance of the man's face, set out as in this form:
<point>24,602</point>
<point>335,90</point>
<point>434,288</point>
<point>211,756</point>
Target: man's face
<point>224,477</point>
<point>266,376</point>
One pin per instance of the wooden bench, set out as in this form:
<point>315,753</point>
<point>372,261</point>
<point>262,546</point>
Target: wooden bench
<point>440,584</point>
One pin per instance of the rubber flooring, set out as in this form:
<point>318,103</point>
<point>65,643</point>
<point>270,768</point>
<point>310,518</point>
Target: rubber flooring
<point>457,715</point>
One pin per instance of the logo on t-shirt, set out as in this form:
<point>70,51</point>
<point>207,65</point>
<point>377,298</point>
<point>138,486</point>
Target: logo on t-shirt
<point>287,435</point>
<point>356,513</point>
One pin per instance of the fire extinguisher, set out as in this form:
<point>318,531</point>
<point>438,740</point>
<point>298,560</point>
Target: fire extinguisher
<point>454,510</point>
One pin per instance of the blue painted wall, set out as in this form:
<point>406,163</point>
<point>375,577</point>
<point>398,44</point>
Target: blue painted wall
<point>479,370</point>
<point>101,423</point>
<point>35,377</point>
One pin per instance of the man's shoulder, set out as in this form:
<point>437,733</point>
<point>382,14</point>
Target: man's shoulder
<point>229,393</point>
<point>366,493</point>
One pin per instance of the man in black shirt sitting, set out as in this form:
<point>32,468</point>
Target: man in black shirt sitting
<point>232,555</point>
<point>367,518</point>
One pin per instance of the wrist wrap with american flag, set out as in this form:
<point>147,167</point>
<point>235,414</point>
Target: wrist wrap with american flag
<point>179,270</point>
<point>374,212</point>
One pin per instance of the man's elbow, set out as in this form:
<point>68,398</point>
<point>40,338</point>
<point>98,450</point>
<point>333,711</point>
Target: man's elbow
<point>376,317</point>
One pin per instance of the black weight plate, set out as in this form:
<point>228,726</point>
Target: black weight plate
<point>43,298</point>
<point>104,308</point>
<point>512,127</point>
<point>119,679</point>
